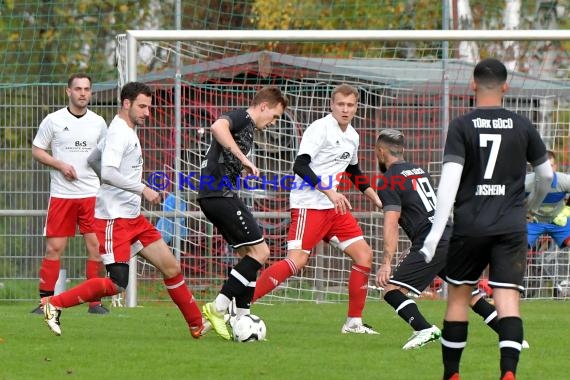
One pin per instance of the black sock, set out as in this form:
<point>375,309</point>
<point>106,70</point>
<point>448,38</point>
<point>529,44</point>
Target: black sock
<point>488,313</point>
<point>241,276</point>
<point>510,333</point>
<point>453,341</point>
<point>46,293</point>
<point>407,309</point>
<point>243,301</point>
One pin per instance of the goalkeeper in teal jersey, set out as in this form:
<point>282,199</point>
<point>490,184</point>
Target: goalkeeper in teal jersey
<point>552,216</point>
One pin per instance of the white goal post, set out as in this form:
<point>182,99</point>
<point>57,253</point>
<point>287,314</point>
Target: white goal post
<point>550,98</point>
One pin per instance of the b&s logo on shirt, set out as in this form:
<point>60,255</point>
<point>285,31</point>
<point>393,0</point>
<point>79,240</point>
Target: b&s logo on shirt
<point>138,164</point>
<point>343,157</point>
<point>78,147</point>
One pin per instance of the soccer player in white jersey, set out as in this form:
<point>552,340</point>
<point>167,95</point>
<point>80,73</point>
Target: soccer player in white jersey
<point>329,147</point>
<point>118,219</point>
<point>70,133</point>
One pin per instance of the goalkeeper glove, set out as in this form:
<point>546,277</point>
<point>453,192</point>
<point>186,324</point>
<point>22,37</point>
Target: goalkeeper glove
<point>562,218</point>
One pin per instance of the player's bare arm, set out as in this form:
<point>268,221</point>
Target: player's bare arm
<point>151,195</point>
<point>45,158</point>
<point>362,183</point>
<point>340,202</point>
<point>391,235</point>
<point>221,132</point>
<point>373,196</point>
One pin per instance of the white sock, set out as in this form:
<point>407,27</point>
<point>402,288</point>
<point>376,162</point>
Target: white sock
<point>352,321</point>
<point>241,312</point>
<point>222,303</point>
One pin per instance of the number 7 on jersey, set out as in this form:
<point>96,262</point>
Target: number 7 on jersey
<point>495,141</point>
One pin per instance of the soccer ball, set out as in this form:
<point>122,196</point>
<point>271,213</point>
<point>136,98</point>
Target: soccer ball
<point>563,288</point>
<point>249,328</point>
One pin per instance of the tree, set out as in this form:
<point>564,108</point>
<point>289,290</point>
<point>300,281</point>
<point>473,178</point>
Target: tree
<point>47,40</point>
<point>323,14</point>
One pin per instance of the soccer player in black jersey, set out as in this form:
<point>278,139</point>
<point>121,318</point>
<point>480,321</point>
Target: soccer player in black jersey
<point>218,198</point>
<point>484,167</point>
<point>406,191</point>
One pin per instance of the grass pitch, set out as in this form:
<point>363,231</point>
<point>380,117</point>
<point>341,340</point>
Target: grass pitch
<point>304,342</point>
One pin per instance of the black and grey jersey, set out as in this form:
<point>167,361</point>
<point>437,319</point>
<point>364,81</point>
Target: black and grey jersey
<point>220,169</point>
<point>408,189</point>
<point>494,146</point>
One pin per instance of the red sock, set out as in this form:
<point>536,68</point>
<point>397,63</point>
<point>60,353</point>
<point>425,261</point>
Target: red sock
<point>89,290</point>
<point>357,290</point>
<point>49,273</point>
<point>271,277</point>
<point>184,299</point>
<point>93,269</point>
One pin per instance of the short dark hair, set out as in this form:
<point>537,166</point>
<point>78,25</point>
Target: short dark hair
<point>75,76</point>
<point>346,90</point>
<point>490,73</point>
<point>132,90</point>
<point>270,94</point>
<point>393,139</point>
<point>551,155</point>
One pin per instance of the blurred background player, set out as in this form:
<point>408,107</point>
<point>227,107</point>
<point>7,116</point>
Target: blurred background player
<point>226,158</point>
<point>484,167</point>
<point>71,134</point>
<point>551,220</point>
<point>329,147</point>
<point>411,204</point>
<point>544,220</point>
<point>119,223</point>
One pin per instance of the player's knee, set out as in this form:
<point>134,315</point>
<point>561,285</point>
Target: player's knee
<point>54,249</point>
<point>363,258</point>
<point>171,270</point>
<point>259,252</point>
<point>298,257</point>
<point>261,255</point>
<point>119,274</point>
<point>388,288</point>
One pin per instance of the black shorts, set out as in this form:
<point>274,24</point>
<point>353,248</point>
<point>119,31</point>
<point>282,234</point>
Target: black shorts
<point>414,274</point>
<point>505,254</point>
<point>233,220</point>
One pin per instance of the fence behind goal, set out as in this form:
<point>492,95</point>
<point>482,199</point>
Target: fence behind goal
<point>413,85</point>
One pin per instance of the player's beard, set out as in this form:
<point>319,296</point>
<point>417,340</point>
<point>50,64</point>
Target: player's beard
<point>382,167</point>
<point>79,104</point>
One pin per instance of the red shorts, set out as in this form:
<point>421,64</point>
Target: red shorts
<point>64,215</point>
<point>117,235</point>
<point>309,226</point>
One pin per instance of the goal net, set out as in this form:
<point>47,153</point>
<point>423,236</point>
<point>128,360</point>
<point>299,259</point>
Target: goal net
<point>414,81</point>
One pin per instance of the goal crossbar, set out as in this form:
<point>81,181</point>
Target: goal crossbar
<point>333,35</point>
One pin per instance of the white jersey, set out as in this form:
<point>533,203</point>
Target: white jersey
<point>121,149</point>
<point>331,151</point>
<point>71,139</point>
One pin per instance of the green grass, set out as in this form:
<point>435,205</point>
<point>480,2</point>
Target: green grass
<point>304,341</point>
